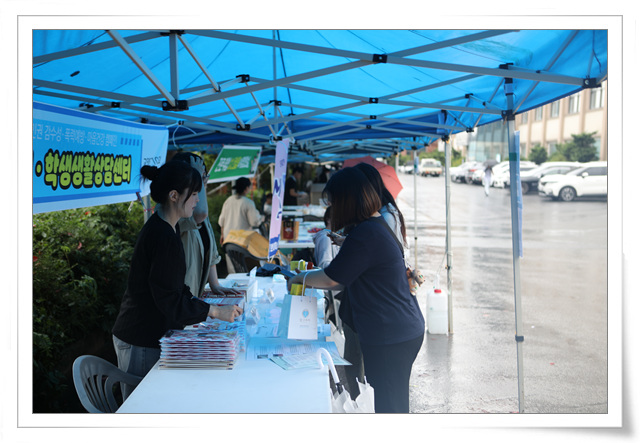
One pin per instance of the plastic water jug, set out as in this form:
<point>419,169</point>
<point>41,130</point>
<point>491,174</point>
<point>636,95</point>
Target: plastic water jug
<point>437,312</point>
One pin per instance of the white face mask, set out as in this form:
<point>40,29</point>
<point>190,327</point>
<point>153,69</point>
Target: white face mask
<point>198,164</point>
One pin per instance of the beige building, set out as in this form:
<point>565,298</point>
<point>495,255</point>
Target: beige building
<point>549,125</point>
<point>546,126</point>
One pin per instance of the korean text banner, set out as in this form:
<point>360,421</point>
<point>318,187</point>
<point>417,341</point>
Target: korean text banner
<point>82,159</point>
<point>279,179</point>
<point>234,162</point>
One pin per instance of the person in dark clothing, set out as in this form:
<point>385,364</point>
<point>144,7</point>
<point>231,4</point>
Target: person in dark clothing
<point>371,267</point>
<point>156,299</point>
<point>291,193</point>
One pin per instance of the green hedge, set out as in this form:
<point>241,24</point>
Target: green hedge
<point>80,265</point>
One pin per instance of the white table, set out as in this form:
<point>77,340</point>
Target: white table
<point>300,210</point>
<point>305,238</point>
<point>252,386</point>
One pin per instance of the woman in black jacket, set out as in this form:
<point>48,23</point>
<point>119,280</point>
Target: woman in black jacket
<point>156,299</point>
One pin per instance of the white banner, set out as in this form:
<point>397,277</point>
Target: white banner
<point>279,179</point>
<point>82,159</point>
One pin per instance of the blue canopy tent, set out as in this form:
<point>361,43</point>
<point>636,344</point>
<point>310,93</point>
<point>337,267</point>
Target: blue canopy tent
<point>334,93</point>
<point>318,87</point>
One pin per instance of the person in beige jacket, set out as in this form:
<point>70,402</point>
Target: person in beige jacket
<point>238,212</point>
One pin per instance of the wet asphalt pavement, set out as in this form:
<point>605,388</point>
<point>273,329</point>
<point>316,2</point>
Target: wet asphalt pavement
<point>564,302</point>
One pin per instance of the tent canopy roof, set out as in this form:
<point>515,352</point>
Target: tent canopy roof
<point>337,93</point>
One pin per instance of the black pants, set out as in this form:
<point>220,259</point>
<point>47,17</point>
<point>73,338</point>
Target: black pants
<point>388,369</point>
<point>353,355</point>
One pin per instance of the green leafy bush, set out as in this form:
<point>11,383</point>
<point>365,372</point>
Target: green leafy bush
<point>81,262</point>
<point>538,155</point>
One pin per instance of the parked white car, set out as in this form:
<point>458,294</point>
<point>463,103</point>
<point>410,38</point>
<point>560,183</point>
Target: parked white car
<point>589,180</point>
<point>407,169</point>
<point>463,174</point>
<point>501,172</point>
<point>529,179</point>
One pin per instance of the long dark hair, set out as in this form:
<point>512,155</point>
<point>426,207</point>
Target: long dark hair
<point>385,196</point>
<point>173,175</point>
<point>352,198</point>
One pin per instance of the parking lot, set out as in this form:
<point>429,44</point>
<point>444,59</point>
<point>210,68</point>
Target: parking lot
<point>564,302</point>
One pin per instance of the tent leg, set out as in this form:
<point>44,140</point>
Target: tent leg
<point>447,166</point>
<point>516,203</point>
<point>415,208</point>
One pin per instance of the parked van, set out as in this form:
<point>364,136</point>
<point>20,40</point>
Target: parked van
<point>430,166</point>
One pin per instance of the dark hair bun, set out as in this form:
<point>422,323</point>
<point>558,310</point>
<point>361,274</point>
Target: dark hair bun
<point>149,172</point>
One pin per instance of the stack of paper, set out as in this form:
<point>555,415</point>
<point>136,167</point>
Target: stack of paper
<point>202,347</point>
<point>240,324</point>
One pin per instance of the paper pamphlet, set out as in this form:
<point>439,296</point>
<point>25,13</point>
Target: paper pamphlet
<point>308,360</point>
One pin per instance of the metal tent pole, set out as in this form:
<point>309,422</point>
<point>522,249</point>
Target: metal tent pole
<point>415,208</point>
<point>516,204</point>
<point>447,166</point>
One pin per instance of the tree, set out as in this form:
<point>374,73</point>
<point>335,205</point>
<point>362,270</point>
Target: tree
<point>538,155</point>
<point>581,149</point>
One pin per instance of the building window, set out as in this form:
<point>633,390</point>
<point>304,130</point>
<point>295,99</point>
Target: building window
<point>596,98</point>
<point>552,147</point>
<point>525,118</point>
<point>554,109</point>
<point>538,114</point>
<point>574,104</point>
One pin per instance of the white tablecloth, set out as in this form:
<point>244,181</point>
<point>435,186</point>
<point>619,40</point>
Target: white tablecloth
<point>252,386</point>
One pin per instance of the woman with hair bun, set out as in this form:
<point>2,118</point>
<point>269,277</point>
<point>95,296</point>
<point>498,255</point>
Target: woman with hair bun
<point>156,299</point>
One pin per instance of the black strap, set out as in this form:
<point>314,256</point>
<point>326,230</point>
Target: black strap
<point>386,225</point>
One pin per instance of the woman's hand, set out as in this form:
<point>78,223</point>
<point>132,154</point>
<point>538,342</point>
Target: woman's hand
<point>225,313</point>
<point>337,239</point>
<point>315,279</point>
<point>298,278</point>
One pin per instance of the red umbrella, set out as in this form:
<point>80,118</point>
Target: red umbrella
<point>388,174</point>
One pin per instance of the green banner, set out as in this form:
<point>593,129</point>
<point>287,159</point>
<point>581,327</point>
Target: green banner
<point>234,162</point>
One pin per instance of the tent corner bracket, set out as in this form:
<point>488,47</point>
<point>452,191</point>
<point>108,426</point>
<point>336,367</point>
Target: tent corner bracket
<point>590,83</point>
<point>379,58</point>
<point>181,105</point>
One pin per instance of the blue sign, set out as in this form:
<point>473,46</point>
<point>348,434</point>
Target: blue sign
<point>81,159</point>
